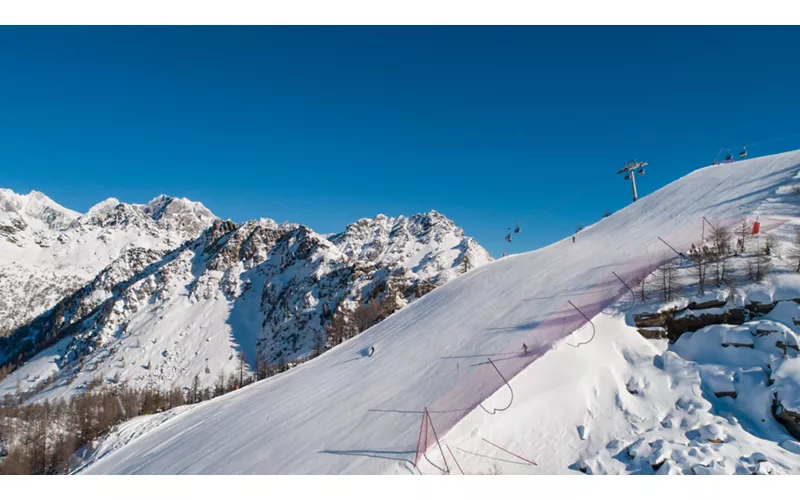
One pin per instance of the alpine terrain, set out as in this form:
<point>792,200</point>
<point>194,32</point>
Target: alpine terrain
<point>167,296</point>
<point>663,340</point>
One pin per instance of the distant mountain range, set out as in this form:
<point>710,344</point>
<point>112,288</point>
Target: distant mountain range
<point>159,293</point>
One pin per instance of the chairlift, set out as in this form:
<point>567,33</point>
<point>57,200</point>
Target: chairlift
<point>640,171</point>
<point>743,152</point>
<point>517,229</point>
<point>508,237</point>
<point>729,156</point>
<point>627,176</point>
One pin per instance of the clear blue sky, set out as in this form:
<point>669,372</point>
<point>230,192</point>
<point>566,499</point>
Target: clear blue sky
<point>324,125</point>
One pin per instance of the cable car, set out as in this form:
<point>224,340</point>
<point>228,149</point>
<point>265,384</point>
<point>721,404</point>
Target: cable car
<point>743,152</point>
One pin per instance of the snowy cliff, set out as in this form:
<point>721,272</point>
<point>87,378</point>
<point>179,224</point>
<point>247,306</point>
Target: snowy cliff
<point>273,293</point>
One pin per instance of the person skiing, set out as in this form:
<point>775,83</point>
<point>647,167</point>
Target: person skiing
<point>524,348</point>
<point>371,350</point>
<point>573,239</point>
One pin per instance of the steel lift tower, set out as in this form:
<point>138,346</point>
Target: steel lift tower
<point>631,169</point>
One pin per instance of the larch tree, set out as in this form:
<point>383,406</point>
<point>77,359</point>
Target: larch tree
<point>794,252</point>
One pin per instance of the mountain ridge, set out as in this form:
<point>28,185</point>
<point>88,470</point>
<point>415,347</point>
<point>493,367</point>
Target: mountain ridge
<point>276,293</point>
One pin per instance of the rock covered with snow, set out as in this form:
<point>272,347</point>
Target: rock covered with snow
<point>278,293</point>
<point>31,217</point>
<point>429,245</point>
<point>48,252</point>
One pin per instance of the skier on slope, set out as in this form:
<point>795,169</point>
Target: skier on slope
<point>371,350</point>
<point>524,348</point>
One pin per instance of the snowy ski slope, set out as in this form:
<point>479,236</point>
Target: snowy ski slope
<point>346,412</point>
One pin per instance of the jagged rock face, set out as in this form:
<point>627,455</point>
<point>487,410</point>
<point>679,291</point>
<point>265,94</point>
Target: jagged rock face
<point>178,214</point>
<point>427,244</point>
<point>672,323</point>
<point>48,252</point>
<point>32,217</point>
<point>274,292</point>
<point>49,327</point>
<point>789,419</point>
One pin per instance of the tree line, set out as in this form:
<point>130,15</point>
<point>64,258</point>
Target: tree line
<point>710,265</point>
<point>43,438</point>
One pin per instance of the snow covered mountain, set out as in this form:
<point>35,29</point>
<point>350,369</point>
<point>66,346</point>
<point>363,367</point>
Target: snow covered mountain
<point>588,395</point>
<point>427,244</point>
<point>48,251</point>
<point>276,294</point>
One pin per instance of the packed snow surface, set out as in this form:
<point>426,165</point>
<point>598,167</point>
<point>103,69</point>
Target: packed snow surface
<point>346,412</point>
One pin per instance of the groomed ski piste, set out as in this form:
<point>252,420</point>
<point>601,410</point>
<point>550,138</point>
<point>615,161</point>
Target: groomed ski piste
<point>347,412</point>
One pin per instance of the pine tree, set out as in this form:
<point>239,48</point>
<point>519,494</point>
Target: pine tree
<point>794,252</point>
<point>760,267</point>
<point>219,385</point>
<point>667,279</point>
<point>194,390</point>
<point>241,370</point>
<point>699,269</point>
<point>721,241</point>
<point>745,233</point>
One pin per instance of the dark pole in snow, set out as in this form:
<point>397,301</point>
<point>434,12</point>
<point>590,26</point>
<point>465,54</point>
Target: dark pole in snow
<point>671,248</point>
<point>709,223</point>
<point>430,421</point>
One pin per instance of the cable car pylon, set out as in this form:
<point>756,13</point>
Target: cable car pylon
<point>630,169</point>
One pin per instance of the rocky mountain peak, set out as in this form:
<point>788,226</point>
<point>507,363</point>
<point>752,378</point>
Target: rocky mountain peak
<point>197,287</point>
<point>48,251</point>
<point>178,213</point>
<point>34,206</point>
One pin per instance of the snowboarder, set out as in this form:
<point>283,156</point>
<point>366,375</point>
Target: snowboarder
<point>524,348</point>
<point>371,350</point>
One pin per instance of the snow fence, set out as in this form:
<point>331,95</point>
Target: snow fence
<point>487,385</point>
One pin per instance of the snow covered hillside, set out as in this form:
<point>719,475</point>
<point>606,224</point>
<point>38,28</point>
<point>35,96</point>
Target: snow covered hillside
<point>274,294</point>
<point>48,251</point>
<point>349,412</point>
